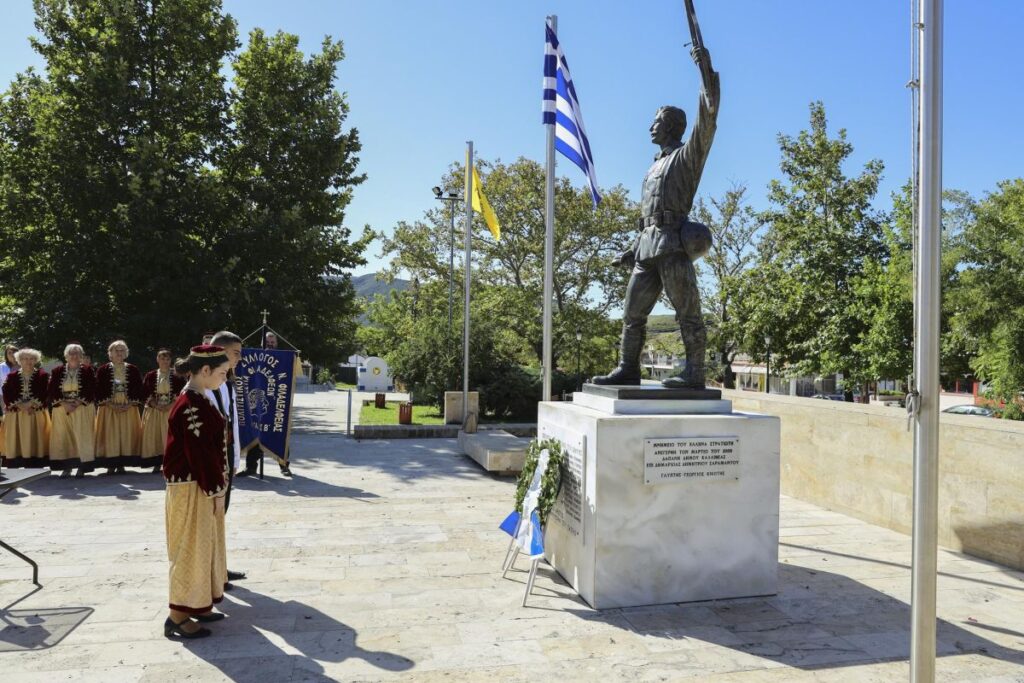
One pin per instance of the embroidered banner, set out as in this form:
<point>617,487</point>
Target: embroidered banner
<point>264,385</point>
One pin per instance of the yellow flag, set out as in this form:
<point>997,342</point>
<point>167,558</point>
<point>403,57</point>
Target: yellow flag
<point>481,206</point>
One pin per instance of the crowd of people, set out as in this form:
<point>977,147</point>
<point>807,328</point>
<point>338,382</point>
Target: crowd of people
<point>78,416</point>
<point>81,417</point>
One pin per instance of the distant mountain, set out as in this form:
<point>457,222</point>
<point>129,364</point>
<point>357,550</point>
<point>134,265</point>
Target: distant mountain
<point>369,286</point>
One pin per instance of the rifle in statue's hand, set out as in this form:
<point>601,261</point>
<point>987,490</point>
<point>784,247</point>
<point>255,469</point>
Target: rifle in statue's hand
<point>699,53</point>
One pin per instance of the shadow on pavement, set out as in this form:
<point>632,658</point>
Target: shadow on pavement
<point>268,639</point>
<point>300,487</point>
<point>819,620</point>
<point>39,628</point>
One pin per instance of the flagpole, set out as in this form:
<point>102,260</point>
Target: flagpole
<point>549,249</point>
<point>468,267</point>
<point>925,391</point>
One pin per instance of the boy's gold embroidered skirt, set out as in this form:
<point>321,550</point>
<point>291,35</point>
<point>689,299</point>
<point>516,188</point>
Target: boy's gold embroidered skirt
<point>26,438</point>
<point>196,549</point>
<point>72,437</point>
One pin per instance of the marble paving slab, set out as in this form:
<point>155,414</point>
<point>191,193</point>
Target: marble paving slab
<point>380,561</point>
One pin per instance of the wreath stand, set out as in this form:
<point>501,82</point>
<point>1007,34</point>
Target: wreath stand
<point>510,559</point>
<point>538,486</point>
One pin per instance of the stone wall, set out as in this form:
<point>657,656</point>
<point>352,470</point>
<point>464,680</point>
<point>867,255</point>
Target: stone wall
<point>858,459</point>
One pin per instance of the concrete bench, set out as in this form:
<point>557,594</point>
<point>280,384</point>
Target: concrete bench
<point>495,450</point>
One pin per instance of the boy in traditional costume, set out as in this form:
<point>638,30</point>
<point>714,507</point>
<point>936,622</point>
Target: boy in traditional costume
<point>26,422</point>
<point>71,393</point>
<point>196,465</point>
<point>118,425</point>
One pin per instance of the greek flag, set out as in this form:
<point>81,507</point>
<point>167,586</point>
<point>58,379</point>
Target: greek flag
<point>561,107</point>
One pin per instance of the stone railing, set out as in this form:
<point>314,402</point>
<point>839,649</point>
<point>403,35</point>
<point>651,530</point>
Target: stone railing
<point>858,459</point>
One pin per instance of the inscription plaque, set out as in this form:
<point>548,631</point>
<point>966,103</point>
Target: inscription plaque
<point>567,511</point>
<point>691,459</point>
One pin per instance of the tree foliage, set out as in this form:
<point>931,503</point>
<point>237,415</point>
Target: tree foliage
<point>988,307</point>
<point>142,197</point>
<point>822,233</point>
<point>735,230</point>
<point>586,287</point>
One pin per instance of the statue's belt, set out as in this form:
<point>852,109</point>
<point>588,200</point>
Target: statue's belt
<point>663,218</point>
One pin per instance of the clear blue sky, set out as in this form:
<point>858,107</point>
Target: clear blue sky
<point>424,77</point>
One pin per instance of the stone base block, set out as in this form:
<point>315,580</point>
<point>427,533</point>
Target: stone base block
<point>650,512</point>
<point>495,451</point>
<point>453,406</point>
<point>618,406</point>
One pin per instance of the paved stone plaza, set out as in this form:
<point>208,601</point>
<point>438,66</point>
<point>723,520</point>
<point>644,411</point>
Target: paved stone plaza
<point>381,561</point>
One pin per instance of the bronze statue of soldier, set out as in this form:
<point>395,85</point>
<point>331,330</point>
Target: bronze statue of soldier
<point>669,242</point>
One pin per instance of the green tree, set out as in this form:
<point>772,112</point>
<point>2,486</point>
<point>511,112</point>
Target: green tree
<point>289,170</point>
<point>988,310</point>
<point>586,288</point>
<point>822,231</point>
<point>410,330</point>
<point>885,291</point>
<point>735,230</point>
<point>104,171</point>
<point>123,199</point>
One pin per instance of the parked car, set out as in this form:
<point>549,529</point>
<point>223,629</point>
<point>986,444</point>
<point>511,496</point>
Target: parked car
<point>970,410</point>
<point>830,397</point>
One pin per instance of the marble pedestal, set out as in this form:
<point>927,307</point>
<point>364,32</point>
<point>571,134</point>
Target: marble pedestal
<point>621,542</point>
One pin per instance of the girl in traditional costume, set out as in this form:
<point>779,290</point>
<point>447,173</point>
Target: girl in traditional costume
<point>71,394</point>
<point>196,469</point>
<point>160,388</point>
<point>118,425</point>
<point>26,423</point>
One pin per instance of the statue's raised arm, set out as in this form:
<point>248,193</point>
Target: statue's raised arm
<point>703,132</point>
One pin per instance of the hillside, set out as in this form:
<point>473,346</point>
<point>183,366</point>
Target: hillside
<point>369,286</point>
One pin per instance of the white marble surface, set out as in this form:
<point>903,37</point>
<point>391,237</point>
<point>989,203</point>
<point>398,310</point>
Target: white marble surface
<point>676,542</point>
<point>615,406</point>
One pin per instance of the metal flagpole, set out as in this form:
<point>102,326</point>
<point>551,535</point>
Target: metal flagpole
<point>549,249</point>
<point>468,268</point>
<point>926,352</point>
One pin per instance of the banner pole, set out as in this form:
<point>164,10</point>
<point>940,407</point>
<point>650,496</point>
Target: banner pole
<point>468,242</point>
<point>549,250</point>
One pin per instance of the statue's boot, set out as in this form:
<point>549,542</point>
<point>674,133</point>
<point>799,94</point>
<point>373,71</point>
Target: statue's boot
<point>628,372</point>
<point>692,376</point>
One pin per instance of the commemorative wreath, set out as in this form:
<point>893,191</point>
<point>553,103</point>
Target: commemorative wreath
<point>549,484</point>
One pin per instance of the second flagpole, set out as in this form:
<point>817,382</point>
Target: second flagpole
<point>468,242</point>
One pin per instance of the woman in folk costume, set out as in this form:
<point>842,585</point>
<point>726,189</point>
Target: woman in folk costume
<point>196,469</point>
<point>159,389</point>
<point>27,424</point>
<point>7,367</point>
<point>118,425</point>
<point>71,394</point>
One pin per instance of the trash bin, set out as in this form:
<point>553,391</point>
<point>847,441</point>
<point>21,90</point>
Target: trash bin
<point>379,400</point>
<point>405,413</point>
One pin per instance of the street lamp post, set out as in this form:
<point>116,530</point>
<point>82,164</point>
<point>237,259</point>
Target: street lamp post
<point>768,364</point>
<point>579,339</point>
<point>452,198</point>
